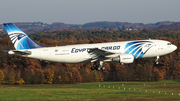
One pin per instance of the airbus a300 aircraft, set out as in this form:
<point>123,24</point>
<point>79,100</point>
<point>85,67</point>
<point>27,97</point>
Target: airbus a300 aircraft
<point>120,52</point>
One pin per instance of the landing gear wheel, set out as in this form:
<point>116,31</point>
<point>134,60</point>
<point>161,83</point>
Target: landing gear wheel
<point>103,68</point>
<point>99,68</point>
<point>93,68</point>
<point>157,63</point>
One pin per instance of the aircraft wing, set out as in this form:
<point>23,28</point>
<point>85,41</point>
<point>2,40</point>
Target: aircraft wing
<point>98,54</point>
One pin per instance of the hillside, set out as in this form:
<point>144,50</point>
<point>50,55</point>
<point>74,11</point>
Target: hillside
<point>34,27</point>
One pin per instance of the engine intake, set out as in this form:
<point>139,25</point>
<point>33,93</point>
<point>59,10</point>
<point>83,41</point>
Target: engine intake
<point>124,58</point>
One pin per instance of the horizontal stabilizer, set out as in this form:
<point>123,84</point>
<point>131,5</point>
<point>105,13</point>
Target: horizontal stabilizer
<point>16,52</point>
<point>22,52</point>
<point>6,50</point>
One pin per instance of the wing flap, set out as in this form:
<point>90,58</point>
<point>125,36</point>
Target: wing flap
<point>98,54</point>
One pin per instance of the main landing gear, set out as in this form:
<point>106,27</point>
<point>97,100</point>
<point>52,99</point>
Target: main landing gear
<point>98,67</point>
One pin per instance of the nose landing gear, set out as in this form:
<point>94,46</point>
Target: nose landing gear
<point>157,60</point>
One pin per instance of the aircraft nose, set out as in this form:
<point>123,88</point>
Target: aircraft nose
<point>174,47</point>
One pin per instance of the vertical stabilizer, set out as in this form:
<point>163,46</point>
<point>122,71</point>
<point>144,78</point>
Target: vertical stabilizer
<point>19,39</point>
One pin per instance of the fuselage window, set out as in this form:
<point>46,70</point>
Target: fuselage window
<point>169,44</point>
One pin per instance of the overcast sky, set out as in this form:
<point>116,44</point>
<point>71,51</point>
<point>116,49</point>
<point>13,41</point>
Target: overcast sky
<point>84,11</point>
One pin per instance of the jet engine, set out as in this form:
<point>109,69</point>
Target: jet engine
<point>124,58</point>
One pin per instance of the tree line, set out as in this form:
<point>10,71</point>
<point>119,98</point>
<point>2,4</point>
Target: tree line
<point>19,70</point>
<point>110,34</point>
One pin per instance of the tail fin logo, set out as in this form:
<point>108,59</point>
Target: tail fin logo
<point>19,38</point>
<point>16,36</point>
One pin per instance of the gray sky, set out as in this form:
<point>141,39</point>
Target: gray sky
<point>84,11</point>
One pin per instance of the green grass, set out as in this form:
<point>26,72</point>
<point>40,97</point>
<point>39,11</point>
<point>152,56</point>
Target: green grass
<point>92,91</point>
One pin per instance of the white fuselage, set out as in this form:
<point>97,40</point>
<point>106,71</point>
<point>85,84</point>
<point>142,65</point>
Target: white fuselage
<point>79,53</point>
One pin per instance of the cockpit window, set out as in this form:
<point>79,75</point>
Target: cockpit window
<point>169,44</point>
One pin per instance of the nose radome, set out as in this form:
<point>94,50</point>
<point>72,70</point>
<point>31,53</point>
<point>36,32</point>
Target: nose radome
<point>174,47</point>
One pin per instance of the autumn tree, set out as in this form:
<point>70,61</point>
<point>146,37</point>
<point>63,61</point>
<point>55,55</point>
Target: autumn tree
<point>49,75</point>
<point>11,77</point>
<point>33,71</point>
<point>19,82</point>
<point>1,76</point>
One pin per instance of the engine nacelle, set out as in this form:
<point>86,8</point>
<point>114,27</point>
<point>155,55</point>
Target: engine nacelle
<point>124,58</point>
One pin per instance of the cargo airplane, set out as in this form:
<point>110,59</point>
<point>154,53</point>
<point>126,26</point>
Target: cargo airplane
<point>119,52</point>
